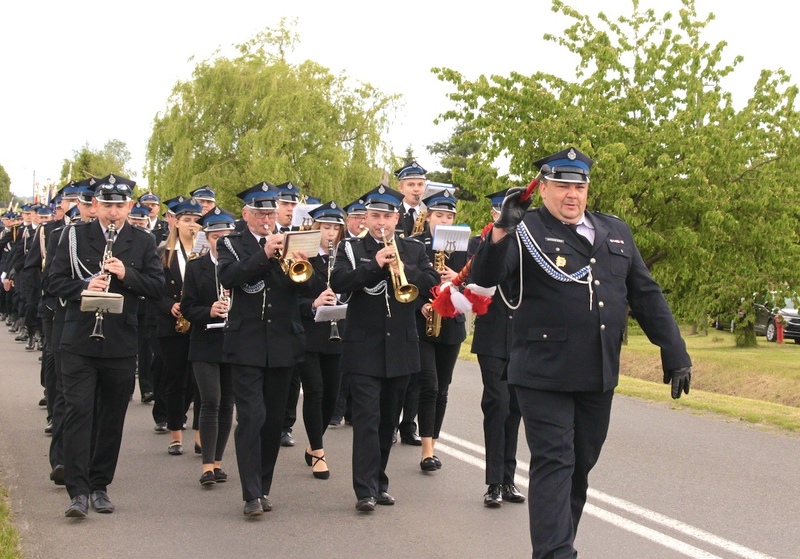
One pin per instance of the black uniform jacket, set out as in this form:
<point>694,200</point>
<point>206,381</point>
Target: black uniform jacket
<point>454,330</point>
<point>559,343</point>
<point>162,307</point>
<point>318,333</point>
<point>375,343</point>
<point>491,334</point>
<point>143,276</point>
<point>264,328</point>
<point>199,293</point>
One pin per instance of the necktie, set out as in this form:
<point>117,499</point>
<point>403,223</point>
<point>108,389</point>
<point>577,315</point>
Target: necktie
<point>412,213</point>
<point>283,229</point>
<point>263,242</point>
<point>574,228</point>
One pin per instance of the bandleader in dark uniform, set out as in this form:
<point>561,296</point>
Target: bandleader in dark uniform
<point>564,361</point>
<point>264,340</point>
<point>100,370</point>
<point>380,346</point>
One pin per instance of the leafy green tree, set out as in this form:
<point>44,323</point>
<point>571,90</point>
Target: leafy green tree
<point>5,185</point>
<point>258,117</point>
<point>114,157</point>
<point>708,189</point>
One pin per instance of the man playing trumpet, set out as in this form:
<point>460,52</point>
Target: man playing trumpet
<point>380,347</point>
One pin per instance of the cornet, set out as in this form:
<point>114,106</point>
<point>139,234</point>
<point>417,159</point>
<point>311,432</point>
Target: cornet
<point>404,292</point>
<point>299,271</point>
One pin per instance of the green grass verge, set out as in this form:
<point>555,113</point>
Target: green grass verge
<point>9,536</point>
<point>758,385</point>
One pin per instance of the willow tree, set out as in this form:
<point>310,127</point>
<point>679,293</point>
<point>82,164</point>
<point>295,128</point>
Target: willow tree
<point>113,157</point>
<point>708,189</point>
<point>258,117</point>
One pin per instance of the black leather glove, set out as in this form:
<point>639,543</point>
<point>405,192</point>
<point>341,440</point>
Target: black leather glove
<point>680,379</point>
<point>512,211</point>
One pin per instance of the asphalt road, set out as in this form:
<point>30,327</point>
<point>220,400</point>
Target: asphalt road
<point>670,484</point>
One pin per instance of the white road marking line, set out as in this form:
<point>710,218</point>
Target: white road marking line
<point>647,514</point>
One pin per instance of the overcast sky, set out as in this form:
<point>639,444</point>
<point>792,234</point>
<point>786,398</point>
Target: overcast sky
<point>87,71</point>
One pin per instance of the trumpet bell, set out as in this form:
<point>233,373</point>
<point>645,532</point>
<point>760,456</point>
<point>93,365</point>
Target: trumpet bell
<point>406,293</point>
<point>300,271</point>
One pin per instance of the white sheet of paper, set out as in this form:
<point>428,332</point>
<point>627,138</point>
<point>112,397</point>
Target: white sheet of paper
<point>201,244</point>
<point>326,313</point>
<point>301,216</point>
<point>451,238</point>
<point>301,241</point>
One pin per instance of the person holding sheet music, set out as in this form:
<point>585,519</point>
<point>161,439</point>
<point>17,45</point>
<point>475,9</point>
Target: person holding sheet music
<point>319,372</point>
<point>205,304</point>
<point>438,352</point>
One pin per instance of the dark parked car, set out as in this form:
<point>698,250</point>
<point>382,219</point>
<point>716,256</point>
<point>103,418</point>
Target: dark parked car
<point>767,309</point>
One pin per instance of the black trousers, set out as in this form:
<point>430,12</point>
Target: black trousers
<point>260,395</point>
<point>55,393</point>
<point>438,362</point>
<point>410,407</point>
<point>144,360</point>
<point>178,380</point>
<point>321,377</point>
<point>215,386</point>
<point>344,403</point>
<point>376,407</point>
<point>89,383</point>
<point>565,433</point>
<point>501,419</point>
<point>290,417</point>
<point>48,366</point>
<point>157,376</point>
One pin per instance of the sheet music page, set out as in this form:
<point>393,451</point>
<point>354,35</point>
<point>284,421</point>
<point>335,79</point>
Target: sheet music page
<point>326,313</point>
<point>301,241</point>
<point>451,238</point>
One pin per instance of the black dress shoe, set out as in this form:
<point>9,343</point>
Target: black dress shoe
<point>512,494</point>
<point>287,439</point>
<point>49,428</point>
<point>437,462</point>
<point>427,465</point>
<point>493,498</point>
<point>198,449</point>
<point>266,504</point>
<point>43,402</point>
<point>161,427</point>
<point>385,499</point>
<point>253,508</point>
<point>208,479</point>
<point>220,476</point>
<point>148,397</point>
<point>367,504</point>
<point>57,475</point>
<point>412,439</point>
<point>175,448</point>
<point>100,502</point>
<point>78,508</point>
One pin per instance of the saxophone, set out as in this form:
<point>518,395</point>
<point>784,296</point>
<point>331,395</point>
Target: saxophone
<point>182,325</point>
<point>419,223</point>
<point>433,322</point>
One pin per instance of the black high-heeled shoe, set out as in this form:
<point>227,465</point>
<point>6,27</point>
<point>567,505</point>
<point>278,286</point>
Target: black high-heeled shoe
<point>308,458</point>
<point>320,475</point>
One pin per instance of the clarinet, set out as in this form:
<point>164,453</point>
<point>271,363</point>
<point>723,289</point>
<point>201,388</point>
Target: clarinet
<point>97,332</point>
<point>334,334</point>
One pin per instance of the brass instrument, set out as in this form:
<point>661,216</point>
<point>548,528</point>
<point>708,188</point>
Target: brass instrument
<point>299,271</point>
<point>182,325</point>
<point>419,223</point>
<point>223,297</point>
<point>97,331</point>
<point>404,292</point>
<point>334,333</point>
<point>433,322</point>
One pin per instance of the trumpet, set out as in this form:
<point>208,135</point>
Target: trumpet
<point>299,271</point>
<point>334,333</point>
<point>404,292</point>
<point>97,331</point>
